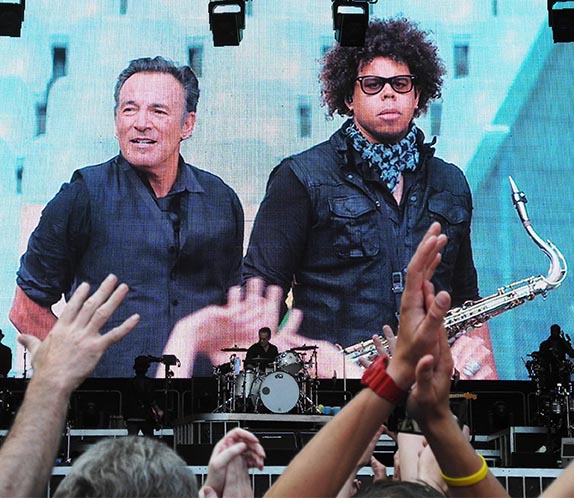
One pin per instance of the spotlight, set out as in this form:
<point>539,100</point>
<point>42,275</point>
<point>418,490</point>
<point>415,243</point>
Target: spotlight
<point>561,20</point>
<point>11,17</point>
<point>350,21</point>
<point>226,21</point>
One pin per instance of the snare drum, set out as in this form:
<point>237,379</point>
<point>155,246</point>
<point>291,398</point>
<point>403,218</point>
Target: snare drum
<point>290,362</point>
<point>244,383</point>
<point>278,391</point>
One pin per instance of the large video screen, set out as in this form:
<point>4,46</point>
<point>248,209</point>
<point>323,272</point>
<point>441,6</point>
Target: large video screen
<point>505,111</point>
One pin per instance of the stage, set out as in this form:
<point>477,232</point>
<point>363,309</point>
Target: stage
<point>503,417</point>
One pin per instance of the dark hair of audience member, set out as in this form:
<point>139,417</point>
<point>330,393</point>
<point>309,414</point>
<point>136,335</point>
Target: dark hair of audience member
<point>129,466</point>
<point>398,489</point>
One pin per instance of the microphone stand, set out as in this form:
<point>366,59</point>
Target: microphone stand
<point>344,373</point>
<point>25,371</point>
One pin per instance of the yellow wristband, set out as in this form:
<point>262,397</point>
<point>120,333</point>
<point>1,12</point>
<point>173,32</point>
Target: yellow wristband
<point>459,482</point>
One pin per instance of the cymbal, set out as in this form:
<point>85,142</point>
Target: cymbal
<point>234,349</point>
<point>304,348</point>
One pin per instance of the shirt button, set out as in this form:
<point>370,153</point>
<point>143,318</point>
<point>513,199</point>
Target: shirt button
<point>378,204</point>
<point>349,176</point>
<point>175,302</point>
<point>413,198</point>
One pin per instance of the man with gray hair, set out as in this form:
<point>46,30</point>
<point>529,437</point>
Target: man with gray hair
<point>129,466</point>
<point>141,466</point>
<point>172,232</point>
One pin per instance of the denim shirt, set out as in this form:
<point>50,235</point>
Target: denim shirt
<point>333,233</point>
<point>107,220</point>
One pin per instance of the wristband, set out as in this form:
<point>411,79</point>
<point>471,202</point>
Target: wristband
<point>459,482</point>
<point>377,378</point>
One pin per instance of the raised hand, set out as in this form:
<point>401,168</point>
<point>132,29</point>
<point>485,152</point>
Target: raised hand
<point>429,398</point>
<point>422,312</point>
<point>74,346</point>
<point>232,457</point>
<point>66,356</point>
<point>210,329</point>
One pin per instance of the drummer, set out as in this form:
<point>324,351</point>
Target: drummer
<point>261,354</point>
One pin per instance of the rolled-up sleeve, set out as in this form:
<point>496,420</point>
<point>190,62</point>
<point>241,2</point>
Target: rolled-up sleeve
<point>47,268</point>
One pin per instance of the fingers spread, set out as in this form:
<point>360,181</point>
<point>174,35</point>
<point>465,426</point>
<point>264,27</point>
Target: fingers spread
<point>119,332</point>
<point>91,306</point>
<point>105,310</point>
<point>74,305</point>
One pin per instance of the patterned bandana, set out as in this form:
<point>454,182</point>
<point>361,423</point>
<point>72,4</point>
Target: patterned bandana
<point>389,159</point>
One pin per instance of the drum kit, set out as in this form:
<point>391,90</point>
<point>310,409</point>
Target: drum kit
<point>554,391</point>
<point>280,385</point>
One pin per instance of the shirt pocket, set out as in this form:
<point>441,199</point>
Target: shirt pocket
<point>453,215</point>
<point>353,220</point>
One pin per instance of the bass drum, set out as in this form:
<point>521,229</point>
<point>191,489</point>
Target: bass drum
<point>277,391</point>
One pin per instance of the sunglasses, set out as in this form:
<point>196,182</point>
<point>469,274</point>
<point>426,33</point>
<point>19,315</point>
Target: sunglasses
<point>371,85</point>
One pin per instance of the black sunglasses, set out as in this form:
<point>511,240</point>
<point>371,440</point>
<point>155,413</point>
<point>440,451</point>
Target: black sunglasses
<point>371,85</point>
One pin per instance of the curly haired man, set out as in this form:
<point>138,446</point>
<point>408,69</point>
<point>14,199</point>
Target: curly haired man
<point>340,221</point>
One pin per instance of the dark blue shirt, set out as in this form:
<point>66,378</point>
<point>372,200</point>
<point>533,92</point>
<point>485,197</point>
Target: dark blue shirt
<point>177,254</point>
<point>331,231</point>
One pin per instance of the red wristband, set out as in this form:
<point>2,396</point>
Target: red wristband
<point>377,379</point>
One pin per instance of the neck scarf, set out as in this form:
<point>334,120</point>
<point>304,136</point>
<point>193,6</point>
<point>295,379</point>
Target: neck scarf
<point>389,160</point>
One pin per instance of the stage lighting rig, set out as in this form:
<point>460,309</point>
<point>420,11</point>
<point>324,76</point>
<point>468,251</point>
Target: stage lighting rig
<point>226,21</point>
<point>350,21</point>
<point>11,17</point>
<point>561,20</point>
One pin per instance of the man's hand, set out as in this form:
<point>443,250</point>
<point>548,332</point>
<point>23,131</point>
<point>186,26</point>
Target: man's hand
<point>210,329</point>
<point>473,358</point>
<point>232,457</point>
<point>61,362</point>
<point>429,398</point>
<point>74,346</point>
<point>422,312</point>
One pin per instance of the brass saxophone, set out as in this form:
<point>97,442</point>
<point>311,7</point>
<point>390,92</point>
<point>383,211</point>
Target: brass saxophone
<point>462,320</point>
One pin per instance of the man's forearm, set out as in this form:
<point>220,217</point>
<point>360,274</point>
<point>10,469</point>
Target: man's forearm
<point>457,458</point>
<point>31,318</point>
<point>322,467</point>
<point>29,452</point>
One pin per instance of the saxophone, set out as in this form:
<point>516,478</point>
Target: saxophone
<point>462,320</point>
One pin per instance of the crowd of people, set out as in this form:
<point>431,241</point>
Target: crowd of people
<point>364,228</point>
<point>418,375</point>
